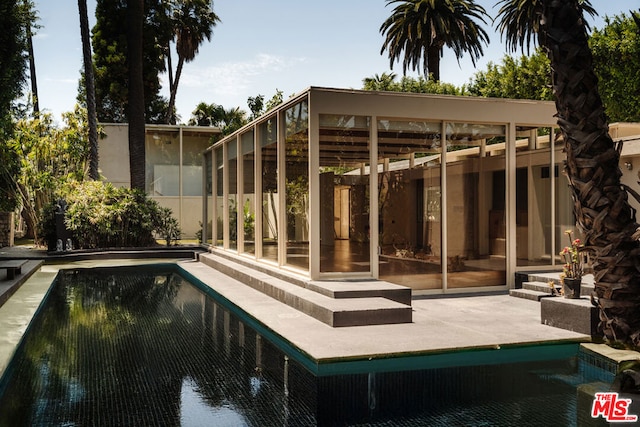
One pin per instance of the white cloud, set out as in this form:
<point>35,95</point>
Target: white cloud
<point>235,77</point>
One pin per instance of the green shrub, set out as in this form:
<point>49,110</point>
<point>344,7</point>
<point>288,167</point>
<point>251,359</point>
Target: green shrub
<point>99,215</point>
<point>167,226</point>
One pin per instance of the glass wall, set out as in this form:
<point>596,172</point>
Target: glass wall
<point>232,195</point>
<point>344,193</point>
<point>219,183</point>
<point>437,217</point>
<point>409,199</point>
<point>207,236</point>
<point>297,185</point>
<point>476,205</point>
<point>163,163</point>
<point>268,139</point>
<point>192,166</point>
<point>247,210</point>
<point>534,176</point>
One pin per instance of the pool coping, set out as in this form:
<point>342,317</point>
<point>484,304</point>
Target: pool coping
<point>327,351</point>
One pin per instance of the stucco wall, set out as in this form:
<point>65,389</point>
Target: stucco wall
<point>113,152</point>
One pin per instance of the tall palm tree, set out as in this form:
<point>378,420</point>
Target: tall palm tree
<point>136,109</point>
<point>592,166</point>
<point>90,89</point>
<point>520,21</point>
<point>32,62</point>
<point>418,30</point>
<point>193,22</point>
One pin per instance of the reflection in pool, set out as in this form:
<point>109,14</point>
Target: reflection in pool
<point>143,346</point>
<point>147,349</point>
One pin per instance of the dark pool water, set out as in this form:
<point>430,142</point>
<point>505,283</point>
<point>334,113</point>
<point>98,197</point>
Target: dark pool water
<point>143,347</point>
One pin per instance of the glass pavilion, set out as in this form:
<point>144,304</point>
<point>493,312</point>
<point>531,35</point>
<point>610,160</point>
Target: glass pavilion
<point>438,193</point>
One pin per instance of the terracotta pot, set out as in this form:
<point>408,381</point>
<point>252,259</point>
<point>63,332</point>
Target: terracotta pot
<point>571,287</point>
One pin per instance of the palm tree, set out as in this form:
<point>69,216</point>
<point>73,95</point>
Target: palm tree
<point>206,115</point>
<point>228,120</point>
<point>136,109</point>
<point>420,29</point>
<point>520,21</point>
<point>600,200</point>
<point>90,90</point>
<point>32,62</point>
<point>379,82</point>
<point>193,21</point>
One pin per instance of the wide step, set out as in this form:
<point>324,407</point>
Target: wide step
<point>367,308</point>
<point>529,294</point>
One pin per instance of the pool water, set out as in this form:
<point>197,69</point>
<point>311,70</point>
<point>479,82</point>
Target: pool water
<point>144,346</point>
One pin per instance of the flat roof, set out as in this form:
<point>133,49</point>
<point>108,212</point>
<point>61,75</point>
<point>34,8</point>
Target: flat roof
<point>419,106</point>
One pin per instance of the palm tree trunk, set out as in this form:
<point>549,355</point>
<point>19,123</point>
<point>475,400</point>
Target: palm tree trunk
<point>433,63</point>
<point>171,114</point>
<point>90,90</point>
<point>137,170</point>
<point>32,72</point>
<point>600,200</point>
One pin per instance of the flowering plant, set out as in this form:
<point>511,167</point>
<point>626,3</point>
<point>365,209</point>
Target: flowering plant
<point>572,268</point>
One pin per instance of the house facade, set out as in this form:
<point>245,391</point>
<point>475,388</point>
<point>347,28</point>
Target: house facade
<point>439,193</point>
<point>173,167</point>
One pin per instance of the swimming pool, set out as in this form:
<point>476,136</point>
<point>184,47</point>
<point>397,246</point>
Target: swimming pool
<point>144,346</point>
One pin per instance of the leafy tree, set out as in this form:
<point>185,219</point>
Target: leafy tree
<point>110,47</point>
<point>15,17</point>
<point>192,22</point>
<point>256,106</point>
<point>276,99</point>
<point>418,30</point>
<point>387,82</point>
<point>616,57</point>
<point>48,158</point>
<point>527,77</point>
<point>600,201</point>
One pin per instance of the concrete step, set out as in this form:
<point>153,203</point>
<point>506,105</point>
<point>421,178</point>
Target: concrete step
<point>342,289</point>
<point>366,308</point>
<point>577,315</point>
<point>530,294</point>
<point>539,286</point>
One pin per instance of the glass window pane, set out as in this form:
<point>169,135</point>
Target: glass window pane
<point>409,200</point>
<point>344,193</point>
<point>297,185</point>
<point>269,169</point>
<point>476,201</point>
<point>162,163</point>
<point>219,162</point>
<point>209,200</point>
<point>232,196</point>
<point>533,197</point>
<point>248,192</point>
<point>192,148</point>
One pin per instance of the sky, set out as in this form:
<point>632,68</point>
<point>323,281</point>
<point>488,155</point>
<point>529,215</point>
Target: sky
<point>261,46</point>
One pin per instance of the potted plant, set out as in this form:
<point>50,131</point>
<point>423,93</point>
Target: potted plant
<point>572,270</point>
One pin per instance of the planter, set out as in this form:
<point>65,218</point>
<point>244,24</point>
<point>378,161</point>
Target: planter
<point>571,287</point>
